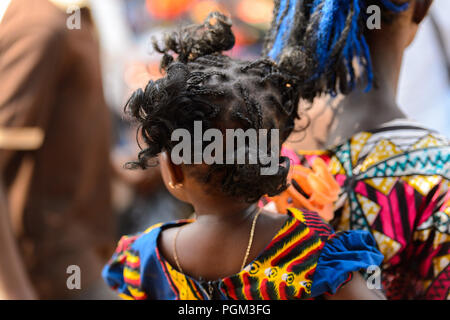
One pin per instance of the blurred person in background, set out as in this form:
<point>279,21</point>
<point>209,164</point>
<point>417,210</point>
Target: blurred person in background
<point>54,151</point>
<point>125,29</point>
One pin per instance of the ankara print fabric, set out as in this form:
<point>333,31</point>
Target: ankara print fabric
<point>395,184</point>
<point>297,264</point>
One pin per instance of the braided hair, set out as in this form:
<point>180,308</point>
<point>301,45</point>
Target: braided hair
<point>200,83</point>
<point>322,38</point>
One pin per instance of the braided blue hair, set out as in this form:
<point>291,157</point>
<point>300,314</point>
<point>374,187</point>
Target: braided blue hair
<point>330,31</point>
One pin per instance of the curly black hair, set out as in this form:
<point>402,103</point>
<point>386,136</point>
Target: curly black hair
<point>203,84</point>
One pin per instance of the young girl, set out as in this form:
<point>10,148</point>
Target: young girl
<point>232,249</point>
<point>394,173</point>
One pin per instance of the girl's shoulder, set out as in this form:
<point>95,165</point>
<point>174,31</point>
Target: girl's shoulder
<point>306,259</point>
<point>146,240</point>
<point>313,221</point>
<point>135,256</point>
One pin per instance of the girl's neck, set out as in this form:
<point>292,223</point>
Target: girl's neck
<point>232,214</point>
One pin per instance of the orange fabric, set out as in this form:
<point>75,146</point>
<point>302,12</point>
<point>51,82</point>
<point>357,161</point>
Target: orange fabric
<point>168,9</point>
<point>318,183</point>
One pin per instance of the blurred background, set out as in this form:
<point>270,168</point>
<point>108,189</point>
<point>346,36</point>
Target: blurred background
<point>122,31</point>
<point>129,61</point>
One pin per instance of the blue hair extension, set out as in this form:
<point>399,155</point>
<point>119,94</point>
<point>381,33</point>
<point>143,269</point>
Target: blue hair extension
<point>327,26</point>
<point>283,4</point>
<point>323,42</point>
<point>396,8</point>
<point>330,28</point>
<point>285,28</point>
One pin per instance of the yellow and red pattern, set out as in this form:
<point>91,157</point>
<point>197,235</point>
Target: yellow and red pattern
<point>131,271</point>
<point>284,270</point>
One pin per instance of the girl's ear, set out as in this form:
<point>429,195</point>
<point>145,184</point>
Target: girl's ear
<point>172,173</point>
<point>421,9</point>
<point>173,176</point>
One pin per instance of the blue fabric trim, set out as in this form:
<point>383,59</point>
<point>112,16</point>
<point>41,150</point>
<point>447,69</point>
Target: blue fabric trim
<point>153,280</point>
<point>348,252</point>
<point>113,276</point>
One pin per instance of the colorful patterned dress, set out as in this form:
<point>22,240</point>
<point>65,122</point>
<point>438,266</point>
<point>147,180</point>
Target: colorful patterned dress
<point>395,184</point>
<point>305,260</point>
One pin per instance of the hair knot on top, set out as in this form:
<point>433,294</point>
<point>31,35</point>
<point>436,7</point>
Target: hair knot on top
<point>201,84</point>
<point>194,41</point>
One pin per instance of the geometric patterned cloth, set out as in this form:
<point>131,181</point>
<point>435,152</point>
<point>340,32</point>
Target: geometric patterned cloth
<point>396,184</point>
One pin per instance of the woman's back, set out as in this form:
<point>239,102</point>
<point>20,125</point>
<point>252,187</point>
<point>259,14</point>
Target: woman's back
<point>395,183</point>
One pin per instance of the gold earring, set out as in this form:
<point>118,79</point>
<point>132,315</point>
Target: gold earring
<point>176,186</point>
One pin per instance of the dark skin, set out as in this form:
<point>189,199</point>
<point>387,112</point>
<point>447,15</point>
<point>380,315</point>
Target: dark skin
<point>355,112</point>
<point>222,229</point>
<point>387,47</point>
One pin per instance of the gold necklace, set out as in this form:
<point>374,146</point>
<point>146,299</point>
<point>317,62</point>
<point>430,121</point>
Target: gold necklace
<point>249,246</point>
